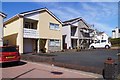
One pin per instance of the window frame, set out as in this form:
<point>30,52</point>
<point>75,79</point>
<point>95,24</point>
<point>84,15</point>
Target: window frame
<point>103,41</point>
<point>56,43</point>
<point>54,26</point>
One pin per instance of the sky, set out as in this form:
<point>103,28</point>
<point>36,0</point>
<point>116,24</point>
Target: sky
<point>103,15</point>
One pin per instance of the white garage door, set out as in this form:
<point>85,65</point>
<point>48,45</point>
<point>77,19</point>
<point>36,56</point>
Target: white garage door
<point>27,45</point>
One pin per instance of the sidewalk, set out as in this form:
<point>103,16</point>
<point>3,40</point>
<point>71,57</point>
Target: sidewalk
<point>40,70</point>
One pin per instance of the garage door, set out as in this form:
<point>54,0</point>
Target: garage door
<point>28,45</point>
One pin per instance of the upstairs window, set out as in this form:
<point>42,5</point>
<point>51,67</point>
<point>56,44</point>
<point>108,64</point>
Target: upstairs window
<point>119,30</point>
<point>54,26</point>
<point>29,25</point>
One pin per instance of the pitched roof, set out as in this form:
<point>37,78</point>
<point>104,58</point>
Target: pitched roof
<point>71,21</point>
<point>3,14</point>
<point>100,33</point>
<point>33,11</point>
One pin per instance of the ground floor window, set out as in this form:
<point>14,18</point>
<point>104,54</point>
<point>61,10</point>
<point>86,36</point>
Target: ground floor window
<point>54,42</point>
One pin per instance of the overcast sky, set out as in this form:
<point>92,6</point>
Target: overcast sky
<point>104,15</point>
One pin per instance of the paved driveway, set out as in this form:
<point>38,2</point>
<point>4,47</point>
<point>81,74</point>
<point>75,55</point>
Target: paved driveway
<point>39,70</point>
<point>94,58</point>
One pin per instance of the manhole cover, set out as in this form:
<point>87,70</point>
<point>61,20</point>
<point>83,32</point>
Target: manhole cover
<point>56,72</point>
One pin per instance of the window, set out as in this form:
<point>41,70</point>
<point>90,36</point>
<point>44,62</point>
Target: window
<point>103,40</point>
<point>119,30</point>
<point>54,26</point>
<point>57,43</point>
<point>29,25</point>
<point>8,49</point>
<point>54,42</point>
<point>97,41</point>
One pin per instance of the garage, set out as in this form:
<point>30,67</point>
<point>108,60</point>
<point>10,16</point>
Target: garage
<point>28,45</point>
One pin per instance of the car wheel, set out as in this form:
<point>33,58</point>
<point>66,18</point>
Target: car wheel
<point>92,47</point>
<point>107,47</point>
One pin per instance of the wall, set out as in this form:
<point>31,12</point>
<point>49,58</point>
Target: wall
<point>45,32</point>
<point>66,30</point>
<point>105,37</point>
<point>14,28</point>
<point>116,34</point>
<point>1,31</point>
<point>11,28</point>
<point>34,16</point>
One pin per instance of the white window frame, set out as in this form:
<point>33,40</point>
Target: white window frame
<point>54,43</point>
<point>54,26</point>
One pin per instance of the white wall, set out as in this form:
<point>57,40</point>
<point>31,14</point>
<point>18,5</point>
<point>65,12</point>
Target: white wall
<point>66,30</point>
<point>116,34</point>
<point>76,33</point>
<point>1,31</point>
<point>34,16</point>
<point>113,34</point>
<point>103,36</point>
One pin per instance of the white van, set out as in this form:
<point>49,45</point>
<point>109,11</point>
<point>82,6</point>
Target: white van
<point>100,44</point>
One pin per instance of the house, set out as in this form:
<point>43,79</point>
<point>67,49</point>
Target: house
<point>116,33</point>
<point>101,36</point>
<point>76,33</point>
<point>2,16</point>
<point>34,30</point>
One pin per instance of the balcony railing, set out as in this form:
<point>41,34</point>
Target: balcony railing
<point>31,33</point>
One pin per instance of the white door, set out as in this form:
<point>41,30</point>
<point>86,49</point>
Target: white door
<point>28,46</point>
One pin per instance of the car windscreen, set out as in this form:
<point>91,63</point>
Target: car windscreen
<point>8,49</point>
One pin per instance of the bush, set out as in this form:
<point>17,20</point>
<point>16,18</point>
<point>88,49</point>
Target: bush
<point>115,41</point>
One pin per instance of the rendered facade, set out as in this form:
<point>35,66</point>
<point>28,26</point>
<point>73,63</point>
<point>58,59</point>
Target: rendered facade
<point>34,31</point>
<point>101,36</point>
<point>2,16</point>
<point>116,33</point>
<point>76,33</point>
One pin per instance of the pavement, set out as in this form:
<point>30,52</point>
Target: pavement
<point>39,70</point>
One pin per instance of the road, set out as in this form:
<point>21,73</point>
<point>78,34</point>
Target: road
<point>40,70</point>
<point>93,58</point>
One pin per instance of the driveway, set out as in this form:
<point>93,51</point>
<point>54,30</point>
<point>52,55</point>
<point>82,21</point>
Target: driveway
<point>39,70</point>
<point>93,58</point>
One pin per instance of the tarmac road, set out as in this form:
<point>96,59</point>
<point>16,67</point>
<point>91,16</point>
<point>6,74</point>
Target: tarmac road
<point>93,58</point>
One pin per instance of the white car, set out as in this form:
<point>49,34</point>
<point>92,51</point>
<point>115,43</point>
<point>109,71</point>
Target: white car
<point>100,44</point>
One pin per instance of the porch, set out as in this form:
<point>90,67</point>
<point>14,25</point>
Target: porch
<point>82,43</point>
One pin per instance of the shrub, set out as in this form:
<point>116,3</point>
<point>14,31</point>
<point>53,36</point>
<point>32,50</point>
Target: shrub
<point>115,41</point>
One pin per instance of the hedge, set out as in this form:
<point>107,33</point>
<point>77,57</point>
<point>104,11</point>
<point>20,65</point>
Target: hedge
<point>115,41</point>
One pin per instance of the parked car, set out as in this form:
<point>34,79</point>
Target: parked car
<point>9,54</point>
<point>100,44</point>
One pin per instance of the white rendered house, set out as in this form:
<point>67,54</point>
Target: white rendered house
<point>116,33</point>
<point>76,33</point>
<point>2,16</point>
<point>101,36</point>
